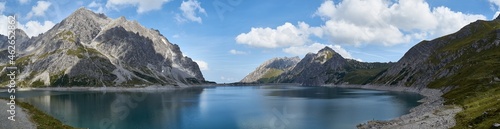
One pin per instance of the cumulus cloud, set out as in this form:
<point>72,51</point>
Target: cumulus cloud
<point>495,5</point>
<point>202,64</point>
<point>33,28</point>
<point>236,52</point>
<point>39,9</point>
<point>388,22</point>
<point>142,5</point>
<point>3,24</point>
<point>96,6</point>
<point>281,36</point>
<point>315,47</point>
<point>190,9</point>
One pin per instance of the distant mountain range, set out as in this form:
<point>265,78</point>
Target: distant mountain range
<point>465,65</point>
<point>90,49</point>
<point>324,67</point>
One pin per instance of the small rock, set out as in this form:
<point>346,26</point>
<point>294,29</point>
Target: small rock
<point>496,125</point>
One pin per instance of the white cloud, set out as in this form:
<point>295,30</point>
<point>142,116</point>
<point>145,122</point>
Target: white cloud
<point>96,6</point>
<point>202,64</point>
<point>33,28</point>
<point>236,52</point>
<point>315,47</point>
<point>3,24</point>
<point>142,5</point>
<point>175,36</point>
<point>39,9</point>
<point>189,10</point>
<point>451,21</point>
<point>2,7</point>
<point>495,5</point>
<point>495,2</point>
<point>388,22</point>
<point>283,36</point>
<point>349,33</point>
<point>23,1</point>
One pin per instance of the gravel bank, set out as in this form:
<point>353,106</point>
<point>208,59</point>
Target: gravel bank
<point>22,119</point>
<point>430,114</point>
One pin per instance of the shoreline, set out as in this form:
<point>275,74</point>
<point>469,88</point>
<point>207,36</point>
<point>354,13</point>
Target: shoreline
<point>432,113</point>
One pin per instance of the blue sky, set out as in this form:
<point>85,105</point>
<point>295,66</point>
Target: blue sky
<point>230,38</point>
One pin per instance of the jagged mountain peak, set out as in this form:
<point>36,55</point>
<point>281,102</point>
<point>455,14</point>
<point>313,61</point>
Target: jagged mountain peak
<point>326,54</point>
<point>90,49</point>
<point>326,49</point>
<point>82,11</point>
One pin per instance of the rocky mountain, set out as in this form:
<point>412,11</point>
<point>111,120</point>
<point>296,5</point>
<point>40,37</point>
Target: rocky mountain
<point>446,57</point>
<point>465,63</point>
<point>89,49</point>
<point>21,38</point>
<point>324,67</point>
<point>270,70</point>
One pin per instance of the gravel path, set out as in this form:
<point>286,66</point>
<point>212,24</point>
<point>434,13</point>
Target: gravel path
<point>22,119</point>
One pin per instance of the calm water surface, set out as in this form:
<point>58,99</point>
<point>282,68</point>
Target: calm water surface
<point>248,107</point>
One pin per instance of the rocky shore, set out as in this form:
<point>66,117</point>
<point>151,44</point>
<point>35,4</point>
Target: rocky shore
<point>432,113</point>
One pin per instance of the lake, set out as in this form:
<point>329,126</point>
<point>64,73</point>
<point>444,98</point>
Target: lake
<point>244,107</point>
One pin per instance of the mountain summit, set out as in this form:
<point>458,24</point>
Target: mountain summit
<point>90,49</point>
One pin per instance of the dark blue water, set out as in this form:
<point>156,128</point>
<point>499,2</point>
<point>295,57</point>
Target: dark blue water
<point>249,107</point>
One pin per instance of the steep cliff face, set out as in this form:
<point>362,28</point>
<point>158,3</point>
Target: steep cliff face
<point>270,70</point>
<point>89,49</point>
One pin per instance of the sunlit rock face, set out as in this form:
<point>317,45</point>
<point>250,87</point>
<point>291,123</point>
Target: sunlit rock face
<point>89,49</point>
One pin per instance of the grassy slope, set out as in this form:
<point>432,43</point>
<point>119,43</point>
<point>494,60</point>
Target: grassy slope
<point>42,120</point>
<point>475,88</point>
<point>270,75</point>
<point>363,76</point>
<point>362,73</point>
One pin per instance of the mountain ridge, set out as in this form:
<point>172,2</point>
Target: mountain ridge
<point>90,49</point>
<point>325,67</point>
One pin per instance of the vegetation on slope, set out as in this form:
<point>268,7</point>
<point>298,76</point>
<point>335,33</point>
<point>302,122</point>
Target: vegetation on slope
<point>363,73</point>
<point>270,75</point>
<point>476,84</point>
<point>41,120</point>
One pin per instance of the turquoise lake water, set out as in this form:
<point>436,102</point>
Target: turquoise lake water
<point>245,107</point>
